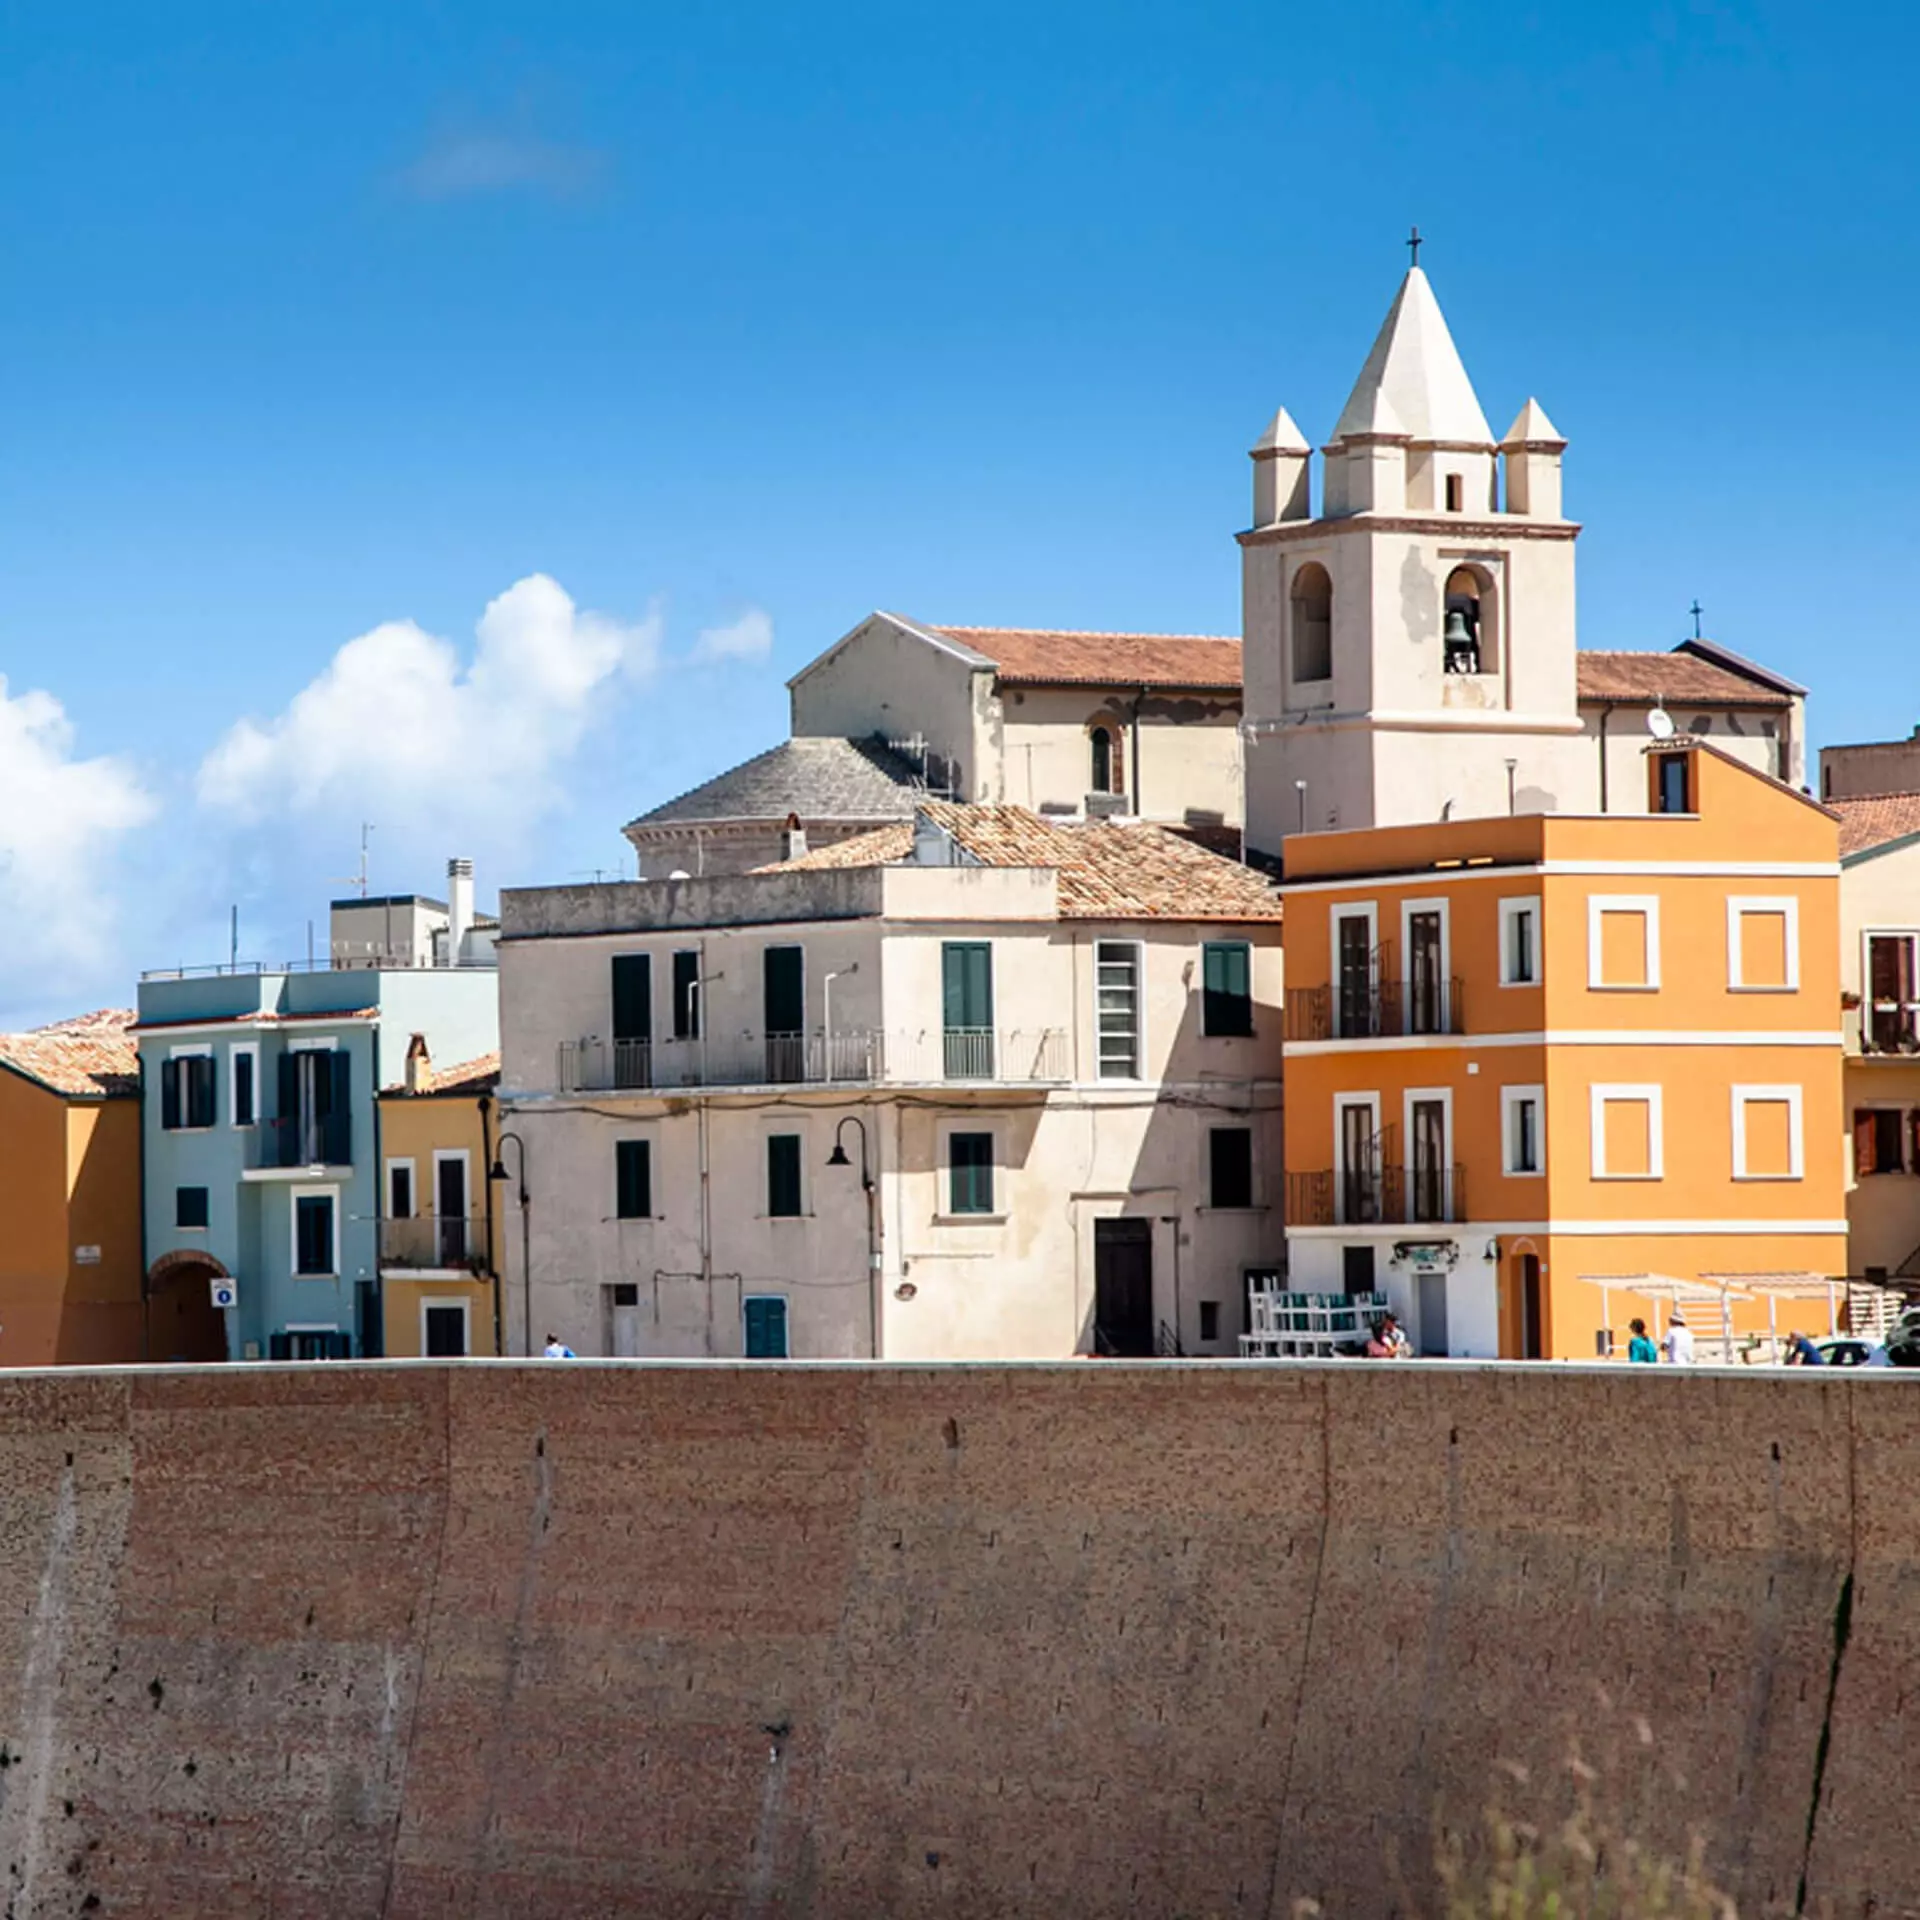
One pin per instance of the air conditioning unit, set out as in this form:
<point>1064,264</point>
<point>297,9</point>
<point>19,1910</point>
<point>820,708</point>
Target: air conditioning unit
<point>226,1293</point>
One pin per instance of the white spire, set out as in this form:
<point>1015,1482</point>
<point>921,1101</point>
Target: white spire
<point>1414,377</point>
<point>1532,428</point>
<point>1281,436</point>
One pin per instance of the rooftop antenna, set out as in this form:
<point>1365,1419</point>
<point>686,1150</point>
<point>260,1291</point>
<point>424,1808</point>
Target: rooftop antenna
<point>360,879</point>
<point>1695,611</point>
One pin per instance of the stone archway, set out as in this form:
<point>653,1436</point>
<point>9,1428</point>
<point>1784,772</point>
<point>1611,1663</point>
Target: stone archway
<point>183,1324</point>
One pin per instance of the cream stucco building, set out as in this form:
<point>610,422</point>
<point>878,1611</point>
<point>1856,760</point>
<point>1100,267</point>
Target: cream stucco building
<point>972,1086</point>
<point>1410,648</point>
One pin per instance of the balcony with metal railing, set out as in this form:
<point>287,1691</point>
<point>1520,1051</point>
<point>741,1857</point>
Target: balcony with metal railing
<point>303,1140</point>
<point>1390,1196</point>
<point>855,1057</point>
<point>1384,1010</point>
<point>446,1242</point>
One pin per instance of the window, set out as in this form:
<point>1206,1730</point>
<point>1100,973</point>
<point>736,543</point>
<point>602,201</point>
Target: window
<point>1423,927</point>
<point>1763,944</point>
<point>632,1180</point>
<point>970,1173</point>
<point>1877,1143</point>
<point>1456,493</point>
<point>783,1175</point>
<point>399,1189</point>
<point>686,996</point>
<point>764,1328</point>
<point>1519,943</point>
<point>966,1009</point>
<point>1429,1164</point>
<point>313,1233</point>
<point>1766,1133</point>
<point>1356,973</point>
<point>190,1207</point>
<point>314,1124</point>
<point>443,1329</point>
<point>243,1101</point>
<point>1522,1130</point>
<point>1117,1003</point>
<point>1623,941</point>
<point>1209,1319</point>
<point>1311,604</point>
<point>186,1091</point>
<point>1226,973</point>
<point>1105,770</point>
<point>1670,783</point>
<point>1890,1022</point>
<point>1627,1133</point>
<point>783,1006</point>
<point>1230,1166</point>
<point>632,983</point>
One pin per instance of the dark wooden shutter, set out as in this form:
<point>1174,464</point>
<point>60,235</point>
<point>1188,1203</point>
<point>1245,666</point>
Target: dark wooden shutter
<point>633,1179</point>
<point>783,1175</point>
<point>784,989</point>
<point>243,1098</point>
<point>170,1094</point>
<point>633,996</point>
<point>199,1068</point>
<point>766,1328</point>
<point>280,1346</point>
<point>1863,1156</point>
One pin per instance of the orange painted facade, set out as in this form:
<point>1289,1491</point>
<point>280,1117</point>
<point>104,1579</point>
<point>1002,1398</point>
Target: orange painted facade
<point>1529,1056</point>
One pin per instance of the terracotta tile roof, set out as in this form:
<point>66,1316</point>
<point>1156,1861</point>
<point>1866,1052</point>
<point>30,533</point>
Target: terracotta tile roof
<point>91,1057</point>
<point>1108,870</point>
<point>1874,819</point>
<point>478,1075</point>
<point>1678,679</point>
<point>1035,657</point>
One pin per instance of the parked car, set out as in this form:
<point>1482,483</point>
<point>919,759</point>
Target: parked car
<point>1844,1350</point>
<point>1903,1342</point>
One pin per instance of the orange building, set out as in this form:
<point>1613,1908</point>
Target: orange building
<point>70,1267</point>
<point>1548,1072</point>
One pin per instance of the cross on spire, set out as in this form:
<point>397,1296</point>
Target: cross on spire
<point>1695,611</point>
<point>1414,244</point>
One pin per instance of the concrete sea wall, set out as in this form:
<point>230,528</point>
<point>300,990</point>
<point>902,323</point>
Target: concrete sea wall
<point>582,1639</point>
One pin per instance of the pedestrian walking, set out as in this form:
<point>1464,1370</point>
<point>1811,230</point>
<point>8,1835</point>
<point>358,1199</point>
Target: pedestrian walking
<point>1640,1350</point>
<point>557,1349</point>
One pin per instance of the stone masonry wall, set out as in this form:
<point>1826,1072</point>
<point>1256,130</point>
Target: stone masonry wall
<point>1088,1639</point>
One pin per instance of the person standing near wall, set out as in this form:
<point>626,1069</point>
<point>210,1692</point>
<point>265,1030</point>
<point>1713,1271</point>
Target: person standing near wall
<point>1640,1350</point>
<point>1679,1341</point>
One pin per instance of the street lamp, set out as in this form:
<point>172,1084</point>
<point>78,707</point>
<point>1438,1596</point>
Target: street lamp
<point>498,1171</point>
<point>838,1158</point>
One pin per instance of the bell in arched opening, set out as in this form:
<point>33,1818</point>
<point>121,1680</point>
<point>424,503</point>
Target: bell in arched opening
<point>1460,638</point>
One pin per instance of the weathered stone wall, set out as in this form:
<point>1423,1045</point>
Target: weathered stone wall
<point>1087,1639</point>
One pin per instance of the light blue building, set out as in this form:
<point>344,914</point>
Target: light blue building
<point>260,1126</point>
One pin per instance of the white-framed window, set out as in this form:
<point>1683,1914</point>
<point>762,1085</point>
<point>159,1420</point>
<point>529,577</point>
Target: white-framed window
<point>1117,1009</point>
<point>186,1089</point>
<point>446,1328</point>
<point>1627,1138</point>
<point>402,1196</point>
<point>1358,1182</point>
<point>1623,942</point>
<point>243,1083</point>
<point>1426,966</point>
<point>1520,942</point>
<point>1523,1130</point>
<point>788,1182</point>
<point>1763,943</point>
<point>1890,990</point>
<point>1427,1149</point>
<point>1767,1140</point>
<point>315,1232</point>
<point>1354,963</point>
<point>457,1236</point>
<point>970,1172</point>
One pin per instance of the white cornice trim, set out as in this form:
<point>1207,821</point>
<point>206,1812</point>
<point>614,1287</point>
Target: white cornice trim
<point>1571,1037</point>
<point>1747,1228</point>
<point>1575,869</point>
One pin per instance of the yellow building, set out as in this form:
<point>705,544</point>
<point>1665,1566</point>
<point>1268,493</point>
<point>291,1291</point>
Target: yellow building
<point>439,1266</point>
<point>1548,1072</point>
<point>70,1266</point>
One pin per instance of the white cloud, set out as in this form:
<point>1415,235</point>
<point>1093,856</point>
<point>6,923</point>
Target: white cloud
<point>748,638</point>
<point>456,164</point>
<point>62,822</point>
<point>397,729</point>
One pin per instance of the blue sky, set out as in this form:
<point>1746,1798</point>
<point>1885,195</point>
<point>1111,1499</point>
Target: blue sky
<point>327,323</point>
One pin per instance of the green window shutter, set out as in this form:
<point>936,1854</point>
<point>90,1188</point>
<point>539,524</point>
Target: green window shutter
<point>1227,977</point>
<point>783,1175</point>
<point>633,996</point>
<point>766,1327</point>
<point>633,1180</point>
<point>170,1094</point>
<point>970,1172</point>
<point>967,984</point>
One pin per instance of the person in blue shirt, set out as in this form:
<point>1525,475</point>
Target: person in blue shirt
<point>1801,1352</point>
<point>1640,1349</point>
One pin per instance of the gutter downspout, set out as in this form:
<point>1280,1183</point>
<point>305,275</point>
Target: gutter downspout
<point>493,1253</point>
<point>1605,713</point>
<point>146,1290</point>
<point>1133,721</point>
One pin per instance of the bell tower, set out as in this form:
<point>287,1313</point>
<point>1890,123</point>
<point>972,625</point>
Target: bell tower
<point>1409,650</point>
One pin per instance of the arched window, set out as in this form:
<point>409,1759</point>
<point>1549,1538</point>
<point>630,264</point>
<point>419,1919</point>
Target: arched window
<point>1105,768</point>
<point>1311,601</point>
<point>1462,633</point>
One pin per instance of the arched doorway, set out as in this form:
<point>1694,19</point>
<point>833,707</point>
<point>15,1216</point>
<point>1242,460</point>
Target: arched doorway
<point>183,1324</point>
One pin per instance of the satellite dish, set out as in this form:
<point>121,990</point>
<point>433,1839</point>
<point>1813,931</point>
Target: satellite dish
<point>1660,724</point>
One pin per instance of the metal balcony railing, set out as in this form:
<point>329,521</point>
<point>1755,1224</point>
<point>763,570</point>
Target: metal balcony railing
<point>310,1140</point>
<point>444,1240</point>
<point>857,1057</point>
<point>1890,1026</point>
<point>1377,1196</point>
<point>1386,1011</point>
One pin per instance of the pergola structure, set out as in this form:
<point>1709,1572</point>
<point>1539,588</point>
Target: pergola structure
<point>1797,1286</point>
<point>1709,1290</point>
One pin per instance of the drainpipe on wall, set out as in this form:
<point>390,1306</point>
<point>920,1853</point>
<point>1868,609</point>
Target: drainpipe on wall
<point>1604,713</point>
<point>493,1252</point>
<point>1139,700</point>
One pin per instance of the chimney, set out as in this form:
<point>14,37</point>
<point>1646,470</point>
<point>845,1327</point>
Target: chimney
<point>793,840</point>
<point>459,909</point>
<point>419,1064</point>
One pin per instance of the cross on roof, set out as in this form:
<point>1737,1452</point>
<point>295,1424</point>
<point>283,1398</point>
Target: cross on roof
<point>1414,244</point>
<point>1695,611</point>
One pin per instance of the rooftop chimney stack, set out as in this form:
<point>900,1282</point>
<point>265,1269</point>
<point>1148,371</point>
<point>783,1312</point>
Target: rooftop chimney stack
<point>459,910</point>
<point>419,1064</point>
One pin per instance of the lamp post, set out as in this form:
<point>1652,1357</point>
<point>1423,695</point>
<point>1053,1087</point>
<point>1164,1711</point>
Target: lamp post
<point>838,1158</point>
<point>498,1171</point>
<point>1300,797</point>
